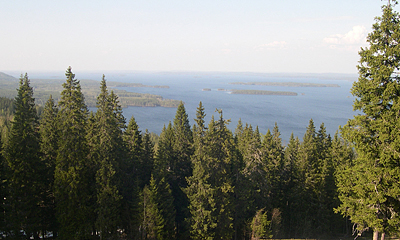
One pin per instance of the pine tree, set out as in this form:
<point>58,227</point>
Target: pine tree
<point>182,146</point>
<point>159,211</point>
<point>24,169</point>
<point>183,150</point>
<point>133,179</point>
<point>247,170</point>
<point>210,189</point>
<point>260,226</point>
<point>309,177</point>
<point>369,189</point>
<point>293,188</point>
<point>49,137</point>
<point>107,151</point>
<point>274,159</point>
<point>165,158</point>
<point>74,172</point>
<point>147,162</point>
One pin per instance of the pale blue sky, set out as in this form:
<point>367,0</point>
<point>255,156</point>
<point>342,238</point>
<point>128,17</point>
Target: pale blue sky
<point>306,36</point>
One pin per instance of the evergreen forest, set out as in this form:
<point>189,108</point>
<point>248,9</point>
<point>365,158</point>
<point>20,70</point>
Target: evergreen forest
<point>74,174</point>
<point>71,173</point>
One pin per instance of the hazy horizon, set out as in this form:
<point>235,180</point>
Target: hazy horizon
<point>256,36</point>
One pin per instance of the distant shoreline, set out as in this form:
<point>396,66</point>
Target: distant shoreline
<point>286,84</point>
<point>262,92</point>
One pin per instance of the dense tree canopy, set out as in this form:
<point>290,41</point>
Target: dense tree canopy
<point>92,177</point>
<point>369,187</point>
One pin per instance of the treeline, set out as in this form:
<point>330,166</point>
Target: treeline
<point>75,174</point>
<point>45,87</point>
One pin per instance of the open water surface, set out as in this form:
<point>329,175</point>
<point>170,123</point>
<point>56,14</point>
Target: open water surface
<point>329,105</point>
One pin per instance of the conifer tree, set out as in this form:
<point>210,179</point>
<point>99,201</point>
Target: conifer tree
<point>310,177</point>
<point>260,226</point>
<point>74,172</point>
<point>152,220</point>
<point>133,141</point>
<point>183,150</point>
<point>164,161</point>
<point>159,211</point>
<point>24,169</point>
<point>49,136</point>
<point>133,179</point>
<point>369,189</point>
<point>147,162</point>
<point>182,146</point>
<point>211,188</point>
<point>293,188</point>
<point>274,159</point>
<point>247,171</point>
<point>107,151</point>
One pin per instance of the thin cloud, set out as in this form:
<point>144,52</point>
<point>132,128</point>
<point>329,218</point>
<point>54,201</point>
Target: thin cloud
<point>272,45</point>
<point>349,41</point>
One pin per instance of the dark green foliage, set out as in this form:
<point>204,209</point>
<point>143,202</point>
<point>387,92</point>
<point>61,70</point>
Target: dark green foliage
<point>49,137</point>
<point>249,181</point>
<point>146,164</point>
<point>133,179</point>
<point>158,211</point>
<point>210,189</point>
<point>92,177</point>
<point>6,106</point>
<point>183,150</point>
<point>369,188</point>
<point>107,152</point>
<point>24,170</point>
<point>74,172</point>
<point>260,226</point>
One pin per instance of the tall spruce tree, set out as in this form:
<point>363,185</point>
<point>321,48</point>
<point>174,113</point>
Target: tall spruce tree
<point>49,137</point>
<point>247,172</point>
<point>309,177</point>
<point>134,179</point>
<point>74,172</point>
<point>369,189</point>
<point>293,188</point>
<point>210,189</point>
<point>24,169</point>
<point>183,150</point>
<point>107,151</point>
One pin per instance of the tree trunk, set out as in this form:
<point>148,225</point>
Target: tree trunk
<point>383,236</point>
<point>376,234</point>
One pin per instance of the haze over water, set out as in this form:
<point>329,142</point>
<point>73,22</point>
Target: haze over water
<point>329,105</point>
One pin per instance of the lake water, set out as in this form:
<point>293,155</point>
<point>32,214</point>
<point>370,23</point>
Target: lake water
<point>329,105</point>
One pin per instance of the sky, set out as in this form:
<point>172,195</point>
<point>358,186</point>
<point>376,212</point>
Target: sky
<point>277,36</point>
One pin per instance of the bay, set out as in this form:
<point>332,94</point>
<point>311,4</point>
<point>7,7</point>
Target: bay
<point>329,105</point>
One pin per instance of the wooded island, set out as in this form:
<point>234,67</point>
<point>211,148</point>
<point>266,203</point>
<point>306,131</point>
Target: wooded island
<point>286,84</point>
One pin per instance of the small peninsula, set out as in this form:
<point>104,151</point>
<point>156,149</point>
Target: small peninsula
<point>90,88</point>
<point>262,92</point>
<point>286,84</point>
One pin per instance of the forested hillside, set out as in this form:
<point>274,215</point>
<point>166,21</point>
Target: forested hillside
<point>76,174</point>
<point>46,87</point>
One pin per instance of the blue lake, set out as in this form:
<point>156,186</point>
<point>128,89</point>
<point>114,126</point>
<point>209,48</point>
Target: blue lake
<point>329,105</point>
